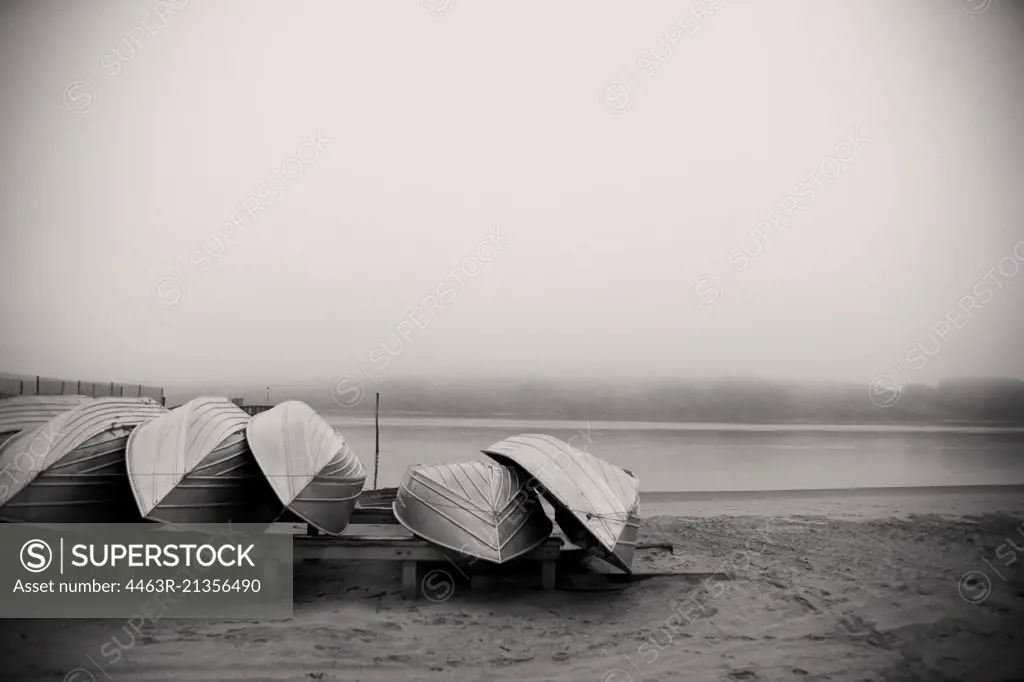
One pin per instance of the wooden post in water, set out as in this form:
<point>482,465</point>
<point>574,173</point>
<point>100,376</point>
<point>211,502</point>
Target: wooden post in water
<point>37,384</point>
<point>376,428</point>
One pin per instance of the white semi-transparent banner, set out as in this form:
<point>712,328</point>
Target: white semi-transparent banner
<point>129,570</point>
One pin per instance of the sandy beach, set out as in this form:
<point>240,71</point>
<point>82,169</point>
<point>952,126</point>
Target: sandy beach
<point>749,273</point>
<point>896,595</point>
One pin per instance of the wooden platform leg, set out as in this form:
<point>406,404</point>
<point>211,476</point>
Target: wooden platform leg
<point>547,575</point>
<point>270,577</point>
<point>312,531</point>
<point>409,578</point>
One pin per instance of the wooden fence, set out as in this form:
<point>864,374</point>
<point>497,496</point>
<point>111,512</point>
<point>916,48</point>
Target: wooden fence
<point>19,384</point>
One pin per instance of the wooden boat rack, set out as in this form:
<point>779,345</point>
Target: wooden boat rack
<point>361,542</point>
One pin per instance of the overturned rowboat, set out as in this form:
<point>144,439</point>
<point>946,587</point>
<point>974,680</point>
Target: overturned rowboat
<point>309,465</point>
<point>479,509</point>
<point>193,465</point>
<point>72,467</point>
<point>376,499</point>
<point>596,504</point>
<point>24,412</point>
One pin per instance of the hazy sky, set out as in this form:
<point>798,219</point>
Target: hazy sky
<point>544,188</point>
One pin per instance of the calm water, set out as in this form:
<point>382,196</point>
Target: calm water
<point>716,457</point>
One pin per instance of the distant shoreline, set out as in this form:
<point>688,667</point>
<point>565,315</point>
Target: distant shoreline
<point>355,419</point>
<point>780,423</point>
<point>975,403</point>
<point>653,496</point>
